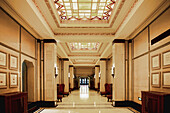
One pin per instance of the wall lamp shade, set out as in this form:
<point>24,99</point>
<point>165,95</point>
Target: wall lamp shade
<point>113,71</point>
<point>56,71</point>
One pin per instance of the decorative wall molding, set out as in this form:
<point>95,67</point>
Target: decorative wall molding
<point>84,33</point>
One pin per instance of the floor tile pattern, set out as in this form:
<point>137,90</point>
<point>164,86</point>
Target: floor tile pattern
<point>85,101</point>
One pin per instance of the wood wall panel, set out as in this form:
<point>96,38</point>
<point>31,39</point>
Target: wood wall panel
<point>9,31</point>
<point>141,80</point>
<point>141,43</point>
<point>27,43</point>
<point>10,37</point>
<point>141,71</point>
<point>159,26</point>
<point>160,51</point>
<point>8,89</point>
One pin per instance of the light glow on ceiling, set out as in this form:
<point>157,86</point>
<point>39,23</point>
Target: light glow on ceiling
<point>84,9</point>
<point>84,46</point>
<point>84,60</point>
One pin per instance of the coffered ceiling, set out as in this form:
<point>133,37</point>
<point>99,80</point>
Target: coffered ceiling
<point>83,29</point>
<point>84,52</point>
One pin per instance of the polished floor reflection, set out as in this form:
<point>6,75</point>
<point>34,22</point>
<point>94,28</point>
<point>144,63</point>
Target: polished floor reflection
<point>85,101</point>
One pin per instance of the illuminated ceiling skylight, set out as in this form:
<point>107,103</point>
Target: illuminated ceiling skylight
<point>84,9</point>
<point>84,46</point>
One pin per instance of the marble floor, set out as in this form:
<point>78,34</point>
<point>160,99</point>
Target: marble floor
<point>85,101</point>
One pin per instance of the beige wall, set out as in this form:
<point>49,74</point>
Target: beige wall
<point>27,43</point>
<point>49,65</point>
<point>9,31</point>
<point>119,78</point>
<point>8,89</point>
<point>141,68</point>
<point>109,65</point>
<point>142,51</point>
<point>156,28</point>
<point>84,71</point>
<point>24,47</point>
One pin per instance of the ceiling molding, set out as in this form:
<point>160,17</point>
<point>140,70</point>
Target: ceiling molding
<point>113,20</point>
<point>84,33</point>
<point>127,15</point>
<point>84,65</point>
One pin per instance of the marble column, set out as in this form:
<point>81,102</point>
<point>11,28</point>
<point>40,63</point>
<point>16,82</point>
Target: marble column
<point>97,68</point>
<point>66,71</point>
<point>71,76</point>
<point>118,50</point>
<point>103,74</point>
<point>50,53</point>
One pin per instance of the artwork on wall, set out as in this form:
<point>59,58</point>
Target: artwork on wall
<point>155,62</point>
<point>13,79</point>
<point>166,59</point>
<point>166,79</point>
<point>155,79</point>
<point>13,62</point>
<point>3,59</point>
<point>3,79</point>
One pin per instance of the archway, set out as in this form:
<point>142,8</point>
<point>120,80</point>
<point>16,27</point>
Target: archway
<point>28,79</point>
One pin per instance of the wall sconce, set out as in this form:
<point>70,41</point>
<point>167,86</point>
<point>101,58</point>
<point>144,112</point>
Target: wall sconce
<point>69,75</point>
<point>113,71</point>
<point>56,71</point>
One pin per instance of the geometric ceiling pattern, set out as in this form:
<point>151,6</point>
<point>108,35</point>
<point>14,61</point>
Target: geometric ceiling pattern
<point>84,46</point>
<point>84,9</point>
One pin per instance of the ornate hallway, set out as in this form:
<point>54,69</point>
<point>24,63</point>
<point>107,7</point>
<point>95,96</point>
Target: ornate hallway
<point>85,101</point>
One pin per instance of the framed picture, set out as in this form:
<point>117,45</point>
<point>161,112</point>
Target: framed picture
<point>3,79</point>
<point>155,79</point>
<point>13,62</point>
<point>166,79</point>
<point>13,80</point>
<point>155,62</point>
<point>166,59</point>
<point>3,59</point>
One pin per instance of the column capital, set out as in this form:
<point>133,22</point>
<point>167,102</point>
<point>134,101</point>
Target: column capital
<point>130,41</point>
<point>71,66</point>
<point>97,65</point>
<point>64,59</point>
<point>50,41</point>
<point>103,59</point>
<point>118,41</point>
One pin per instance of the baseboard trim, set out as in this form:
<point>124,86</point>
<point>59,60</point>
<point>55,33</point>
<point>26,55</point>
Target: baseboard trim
<point>132,104</point>
<point>47,103</point>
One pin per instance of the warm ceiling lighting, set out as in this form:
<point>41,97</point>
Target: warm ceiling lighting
<point>90,9</point>
<point>84,46</point>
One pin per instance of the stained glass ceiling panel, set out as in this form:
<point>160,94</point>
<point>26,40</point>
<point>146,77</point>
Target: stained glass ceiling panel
<point>84,9</point>
<point>84,46</point>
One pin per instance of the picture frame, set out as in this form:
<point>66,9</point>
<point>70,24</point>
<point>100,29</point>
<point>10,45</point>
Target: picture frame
<point>3,79</point>
<point>156,62</point>
<point>166,59</point>
<point>166,79</point>
<point>3,59</point>
<point>13,62</point>
<point>13,80</point>
<point>156,79</point>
